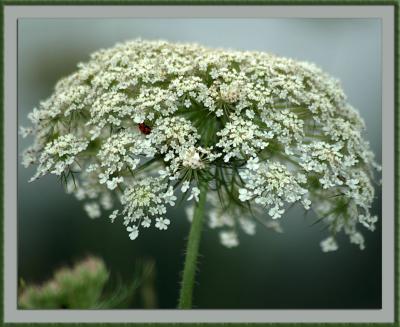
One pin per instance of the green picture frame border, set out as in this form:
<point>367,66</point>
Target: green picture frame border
<point>394,3</point>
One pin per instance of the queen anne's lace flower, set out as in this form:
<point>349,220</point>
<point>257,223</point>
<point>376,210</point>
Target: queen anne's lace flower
<point>241,139</point>
<point>59,154</point>
<point>143,120</point>
<point>329,245</point>
<point>229,239</point>
<point>92,209</point>
<point>271,185</point>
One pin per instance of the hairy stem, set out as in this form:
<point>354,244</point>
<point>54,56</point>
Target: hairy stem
<point>189,270</point>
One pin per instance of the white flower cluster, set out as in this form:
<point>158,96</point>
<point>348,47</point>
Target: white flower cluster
<point>176,140</point>
<point>240,138</point>
<point>121,151</point>
<point>272,185</point>
<point>143,200</point>
<point>327,160</point>
<point>59,154</point>
<point>143,120</point>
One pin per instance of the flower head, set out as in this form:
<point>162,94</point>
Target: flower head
<point>143,120</point>
<point>162,223</point>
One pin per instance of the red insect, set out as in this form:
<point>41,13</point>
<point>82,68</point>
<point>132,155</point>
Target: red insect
<point>144,128</point>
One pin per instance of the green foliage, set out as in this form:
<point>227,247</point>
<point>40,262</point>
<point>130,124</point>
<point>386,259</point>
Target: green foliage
<point>76,288</point>
<point>82,287</point>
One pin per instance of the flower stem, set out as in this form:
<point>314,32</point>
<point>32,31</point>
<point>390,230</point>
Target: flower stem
<point>189,270</point>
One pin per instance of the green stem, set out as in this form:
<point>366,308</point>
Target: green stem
<point>189,270</point>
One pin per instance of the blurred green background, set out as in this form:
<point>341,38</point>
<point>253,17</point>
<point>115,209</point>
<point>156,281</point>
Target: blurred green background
<point>266,271</point>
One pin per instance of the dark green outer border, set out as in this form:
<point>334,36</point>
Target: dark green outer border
<point>394,3</point>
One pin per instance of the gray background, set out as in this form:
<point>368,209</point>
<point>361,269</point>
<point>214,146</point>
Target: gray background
<point>267,271</point>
